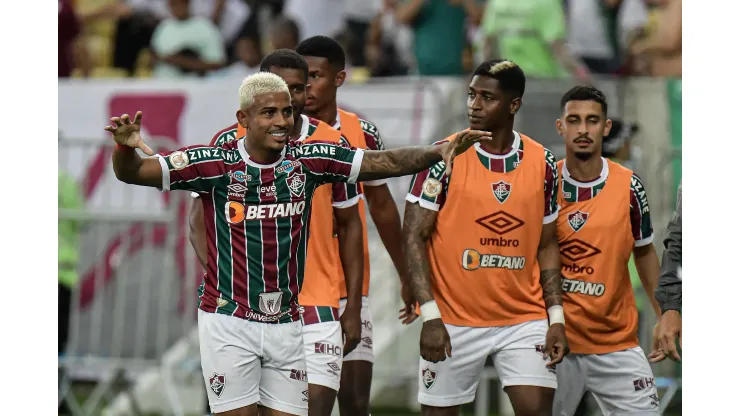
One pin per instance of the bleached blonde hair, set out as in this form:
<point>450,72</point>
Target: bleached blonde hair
<point>260,83</point>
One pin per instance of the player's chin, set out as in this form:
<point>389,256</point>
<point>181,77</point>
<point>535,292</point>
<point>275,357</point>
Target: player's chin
<point>477,123</point>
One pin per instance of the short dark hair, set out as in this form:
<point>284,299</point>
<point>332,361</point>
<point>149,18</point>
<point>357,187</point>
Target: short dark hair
<point>323,47</point>
<point>284,58</point>
<point>509,75</point>
<point>584,93</point>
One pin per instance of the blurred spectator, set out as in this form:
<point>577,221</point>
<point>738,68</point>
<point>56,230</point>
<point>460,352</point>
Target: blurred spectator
<point>186,45</point>
<point>439,32</point>
<point>660,51</point>
<point>532,34</point>
<point>72,49</point>
<point>358,14</point>
<point>316,17</point>
<point>601,31</point>
<point>388,46</point>
<point>284,34</point>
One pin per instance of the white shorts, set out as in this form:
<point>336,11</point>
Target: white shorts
<point>622,383</point>
<point>323,345</point>
<point>364,350</point>
<point>247,362</point>
<point>517,358</point>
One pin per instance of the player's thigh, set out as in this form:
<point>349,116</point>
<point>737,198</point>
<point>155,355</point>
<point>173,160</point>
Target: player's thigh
<point>453,382</point>
<point>284,382</point>
<point>571,374</point>
<point>323,345</point>
<point>229,351</point>
<point>519,359</point>
<point>623,383</point>
<point>364,350</point>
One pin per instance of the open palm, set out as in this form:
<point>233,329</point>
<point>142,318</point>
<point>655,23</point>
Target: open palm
<point>128,133</point>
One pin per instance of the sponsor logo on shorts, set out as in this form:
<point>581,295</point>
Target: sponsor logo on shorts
<point>333,369</point>
<point>217,382</point>
<point>654,401</point>
<point>472,260</point>
<point>428,377</point>
<point>584,288</point>
<point>299,375</point>
<point>577,250</point>
<point>501,190</point>
<point>643,383</point>
<point>367,325</point>
<point>328,349</point>
<point>577,220</point>
<point>367,342</point>
<point>305,395</point>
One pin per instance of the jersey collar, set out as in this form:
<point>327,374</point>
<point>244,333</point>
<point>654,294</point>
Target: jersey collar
<point>249,161</point>
<point>598,181</point>
<point>514,148</point>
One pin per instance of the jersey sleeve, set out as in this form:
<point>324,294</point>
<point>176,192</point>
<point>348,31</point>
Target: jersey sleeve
<point>345,195</point>
<point>329,162</point>
<point>194,168</point>
<point>552,183</point>
<point>642,225</point>
<point>429,187</point>
<point>372,142</point>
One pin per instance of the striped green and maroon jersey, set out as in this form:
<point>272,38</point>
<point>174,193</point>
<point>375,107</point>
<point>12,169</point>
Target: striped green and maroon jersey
<point>642,225</point>
<point>344,195</point>
<point>256,219</point>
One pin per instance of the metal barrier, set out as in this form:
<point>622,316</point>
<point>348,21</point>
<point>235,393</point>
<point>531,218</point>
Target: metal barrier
<point>135,295</point>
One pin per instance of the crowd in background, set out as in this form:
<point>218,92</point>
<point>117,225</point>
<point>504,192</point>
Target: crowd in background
<point>221,38</point>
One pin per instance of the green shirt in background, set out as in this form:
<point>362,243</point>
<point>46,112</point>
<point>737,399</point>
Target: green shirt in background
<point>524,31</point>
<point>69,230</point>
<point>439,38</point>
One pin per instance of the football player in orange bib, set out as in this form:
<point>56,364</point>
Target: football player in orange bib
<point>334,212</point>
<point>326,61</point>
<point>604,218</point>
<point>483,259</point>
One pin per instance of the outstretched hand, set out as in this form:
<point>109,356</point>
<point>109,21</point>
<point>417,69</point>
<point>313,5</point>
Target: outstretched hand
<point>460,144</point>
<point>127,133</point>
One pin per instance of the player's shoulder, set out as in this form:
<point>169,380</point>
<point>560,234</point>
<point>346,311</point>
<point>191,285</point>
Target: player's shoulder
<point>550,159</point>
<point>303,148</point>
<point>368,127</point>
<point>225,135</point>
<point>318,130</point>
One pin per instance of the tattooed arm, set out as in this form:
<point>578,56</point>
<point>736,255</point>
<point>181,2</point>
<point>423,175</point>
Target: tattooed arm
<point>399,162</point>
<point>418,224</point>
<point>548,257</point>
<point>407,160</point>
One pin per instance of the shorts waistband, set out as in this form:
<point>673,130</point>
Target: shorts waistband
<point>319,314</point>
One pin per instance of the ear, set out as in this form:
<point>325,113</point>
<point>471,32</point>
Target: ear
<point>559,127</point>
<point>340,78</point>
<point>607,127</point>
<point>241,117</point>
<point>515,105</point>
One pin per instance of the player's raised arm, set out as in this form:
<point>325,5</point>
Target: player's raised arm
<point>128,166</point>
<point>408,160</point>
<point>193,168</point>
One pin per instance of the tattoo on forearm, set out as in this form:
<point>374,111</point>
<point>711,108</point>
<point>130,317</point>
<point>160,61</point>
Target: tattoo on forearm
<point>398,162</point>
<point>418,224</point>
<point>552,287</point>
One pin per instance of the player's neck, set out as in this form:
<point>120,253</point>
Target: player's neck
<point>584,171</point>
<point>328,114</point>
<point>297,126</point>
<point>501,140</point>
<point>261,155</point>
